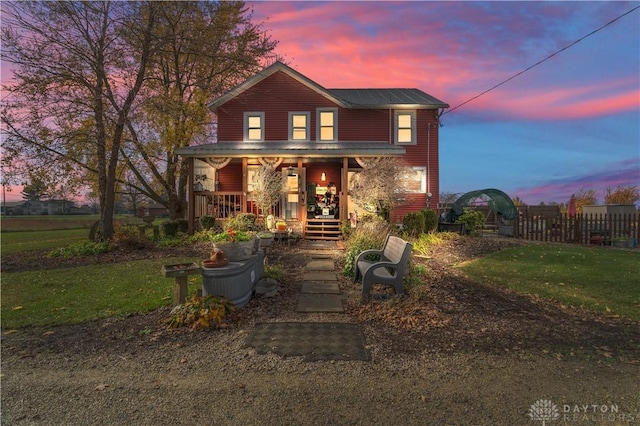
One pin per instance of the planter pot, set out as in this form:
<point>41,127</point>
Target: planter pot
<point>234,281</point>
<point>265,241</point>
<point>237,251</point>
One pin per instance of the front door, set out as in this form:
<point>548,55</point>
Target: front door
<point>292,198</point>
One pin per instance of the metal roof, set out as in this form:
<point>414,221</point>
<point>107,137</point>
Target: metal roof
<point>346,98</point>
<point>387,98</point>
<point>293,149</point>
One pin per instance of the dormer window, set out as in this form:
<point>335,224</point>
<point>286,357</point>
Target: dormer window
<point>405,124</point>
<point>299,126</point>
<point>254,126</point>
<point>327,124</point>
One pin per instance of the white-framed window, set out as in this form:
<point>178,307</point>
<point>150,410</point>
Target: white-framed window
<point>299,126</point>
<point>327,124</point>
<point>416,180</point>
<point>254,126</point>
<point>405,126</point>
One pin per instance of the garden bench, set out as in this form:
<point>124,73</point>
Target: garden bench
<point>389,270</point>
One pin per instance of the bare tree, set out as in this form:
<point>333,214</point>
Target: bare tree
<point>269,186</point>
<point>80,67</point>
<point>105,87</point>
<point>381,185</point>
<point>207,48</point>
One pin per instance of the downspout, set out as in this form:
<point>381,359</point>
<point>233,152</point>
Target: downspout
<point>428,165</point>
<point>192,197</point>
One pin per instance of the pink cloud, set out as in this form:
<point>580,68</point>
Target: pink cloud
<point>453,51</point>
<point>624,173</point>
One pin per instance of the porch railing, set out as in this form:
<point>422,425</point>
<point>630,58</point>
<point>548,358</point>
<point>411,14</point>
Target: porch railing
<point>223,205</point>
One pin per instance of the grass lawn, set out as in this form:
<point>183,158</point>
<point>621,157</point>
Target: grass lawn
<point>74,295</point>
<point>597,278</point>
<point>13,242</point>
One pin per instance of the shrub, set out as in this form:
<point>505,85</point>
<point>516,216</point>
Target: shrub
<point>129,237</point>
<point>81,248</point>
<point>430,220</point>
<point>183,225</point>
<point>370,234</point>
<point>346,229</point>
<point>207,222</point>
<point>275,271</point>
<point>241,222</point>
<point>415,282</point>
<point>472,219</point>
<point>200,313</point>
<point>413,223</point>
<point>170,228</point>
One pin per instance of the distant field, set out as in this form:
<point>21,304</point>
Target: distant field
<point>48,223</point>
<point>13,242</point>
<point>24,233</point>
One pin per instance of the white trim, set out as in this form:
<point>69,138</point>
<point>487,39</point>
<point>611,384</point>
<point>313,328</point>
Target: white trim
<point>319,111</point>
<point>396,128</point>
<point>307,116</point>
<point>423,180</point>
<point>245,127</point>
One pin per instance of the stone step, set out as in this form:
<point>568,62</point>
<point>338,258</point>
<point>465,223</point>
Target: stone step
<point>320,303</point>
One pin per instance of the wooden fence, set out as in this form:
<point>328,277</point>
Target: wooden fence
<point>602,229</point>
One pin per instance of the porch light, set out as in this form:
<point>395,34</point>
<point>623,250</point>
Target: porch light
<point>290,171</point>
<point>323,177</point>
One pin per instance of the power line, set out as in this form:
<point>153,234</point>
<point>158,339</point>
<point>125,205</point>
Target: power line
<point>541,61</point>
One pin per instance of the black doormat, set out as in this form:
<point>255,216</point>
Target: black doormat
<point>314,341</point>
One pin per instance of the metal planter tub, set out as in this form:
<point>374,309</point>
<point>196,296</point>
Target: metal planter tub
<point>235,281</point>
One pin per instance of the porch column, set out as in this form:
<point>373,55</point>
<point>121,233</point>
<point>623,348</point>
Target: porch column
<point>192,196</point>
<point>302,204</point>
<point>245,178</point>
<point>344,189</point>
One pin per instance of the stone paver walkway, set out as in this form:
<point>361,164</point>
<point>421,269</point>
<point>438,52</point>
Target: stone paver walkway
<point>320,291</point>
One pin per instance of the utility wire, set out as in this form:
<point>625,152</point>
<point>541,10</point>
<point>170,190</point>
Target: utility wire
<point>541,61</point>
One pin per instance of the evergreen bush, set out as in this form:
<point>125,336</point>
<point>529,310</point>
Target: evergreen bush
<point>413,223</point>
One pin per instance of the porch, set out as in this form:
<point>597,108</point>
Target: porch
<point>315,226</point>
<point>315,202</point>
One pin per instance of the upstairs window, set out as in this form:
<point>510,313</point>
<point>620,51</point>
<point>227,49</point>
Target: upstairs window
<point>254,126</point>
<point>299,126</point>
<point>405,127</point>
<point>327,124</point>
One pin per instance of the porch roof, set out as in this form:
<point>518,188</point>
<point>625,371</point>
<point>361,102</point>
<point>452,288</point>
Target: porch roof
<point>287,149</point>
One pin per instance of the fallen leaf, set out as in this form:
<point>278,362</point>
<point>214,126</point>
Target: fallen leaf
<point>101,387</point>
<point>17,308</point>
<point>47,333</point>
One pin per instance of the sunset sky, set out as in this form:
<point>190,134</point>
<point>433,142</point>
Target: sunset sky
<point>571,122</point>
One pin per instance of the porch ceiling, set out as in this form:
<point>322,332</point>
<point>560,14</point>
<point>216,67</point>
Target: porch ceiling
<point>288,149</point>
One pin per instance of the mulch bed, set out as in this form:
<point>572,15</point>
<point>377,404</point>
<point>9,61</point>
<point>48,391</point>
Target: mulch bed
<point>452,314</point>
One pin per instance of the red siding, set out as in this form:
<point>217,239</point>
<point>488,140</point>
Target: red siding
<point>230,178</point>
<point>279,94</point>
<point>276,96</point>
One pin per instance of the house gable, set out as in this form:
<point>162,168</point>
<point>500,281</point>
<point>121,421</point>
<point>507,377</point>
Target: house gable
<point>268,72</point>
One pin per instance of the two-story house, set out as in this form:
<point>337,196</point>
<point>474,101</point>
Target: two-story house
<point>318,138</point>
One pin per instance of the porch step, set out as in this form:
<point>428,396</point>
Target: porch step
<point>322,229</point>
